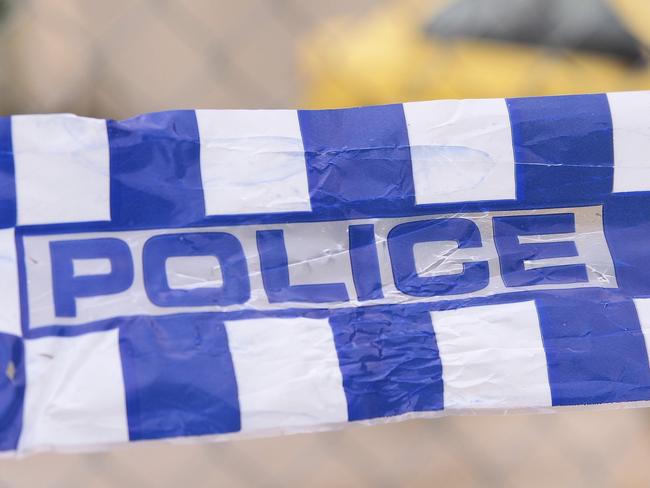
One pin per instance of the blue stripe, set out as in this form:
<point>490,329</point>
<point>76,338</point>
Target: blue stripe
<point>12,390</point>
<point>389,361</point>
<point>564,149</point>
<point>155,170</point>
<point>358,161</point>
<point>594,346</point>
<point>22,283</point>
<point>627,228</point>
<point>179,377</point>
<point>7,176</point>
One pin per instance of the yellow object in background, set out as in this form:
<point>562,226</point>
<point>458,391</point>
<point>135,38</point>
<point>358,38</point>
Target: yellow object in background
<point>416,50</point>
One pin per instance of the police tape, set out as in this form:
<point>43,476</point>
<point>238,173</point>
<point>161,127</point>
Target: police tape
<point>201,273</point>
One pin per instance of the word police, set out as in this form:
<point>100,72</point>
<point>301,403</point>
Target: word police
<point>330,264</point>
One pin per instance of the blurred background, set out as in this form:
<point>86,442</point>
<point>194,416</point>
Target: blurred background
<point>120,58</point>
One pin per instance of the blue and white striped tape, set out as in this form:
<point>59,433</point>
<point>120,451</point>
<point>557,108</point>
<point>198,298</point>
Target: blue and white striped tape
<point>182,168</point>
<point>540,298</point>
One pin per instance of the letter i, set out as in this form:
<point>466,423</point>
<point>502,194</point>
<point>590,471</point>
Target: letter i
<point>365,262</point>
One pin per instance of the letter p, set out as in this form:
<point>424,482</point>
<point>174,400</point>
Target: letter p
<point>68,286</point>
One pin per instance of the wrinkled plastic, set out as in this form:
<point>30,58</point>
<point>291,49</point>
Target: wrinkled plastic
<point>211,274</point>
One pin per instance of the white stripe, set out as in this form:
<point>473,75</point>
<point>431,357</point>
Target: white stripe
<point>9,297</point>
<point>631,126</point>
<point>62,169</point>
<point>287,372</point>
<point>252,161</point>
<point>492,357</point>
<point>75,392</point>
<point>461,150</point>
<point>643,311</point>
